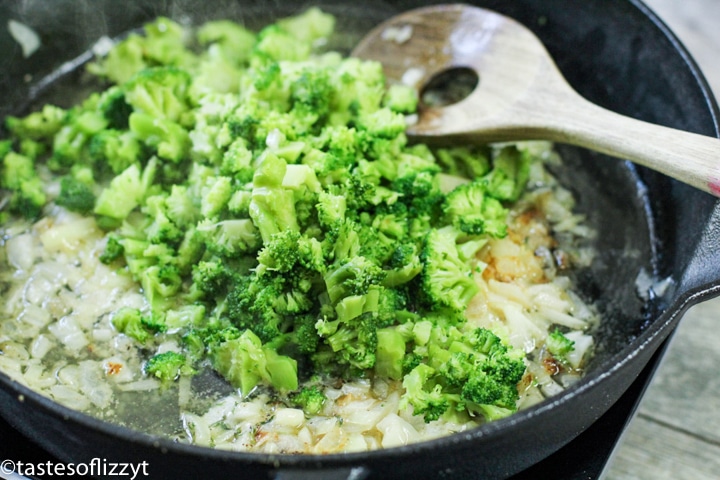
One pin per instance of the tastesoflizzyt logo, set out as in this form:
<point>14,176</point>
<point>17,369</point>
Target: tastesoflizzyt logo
<point>14,470</point>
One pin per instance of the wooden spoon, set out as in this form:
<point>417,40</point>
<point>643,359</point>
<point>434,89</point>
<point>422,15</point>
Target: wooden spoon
<point>521,95</point>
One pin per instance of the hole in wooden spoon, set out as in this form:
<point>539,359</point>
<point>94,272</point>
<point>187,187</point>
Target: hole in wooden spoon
<point>449,86</point>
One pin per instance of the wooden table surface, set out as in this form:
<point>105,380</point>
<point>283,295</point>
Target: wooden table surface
<point>676,431</point>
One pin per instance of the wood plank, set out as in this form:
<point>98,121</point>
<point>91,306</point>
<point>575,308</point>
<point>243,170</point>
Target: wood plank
<point>653,451</point>
<point>685,391</point>
<point>676,433</point>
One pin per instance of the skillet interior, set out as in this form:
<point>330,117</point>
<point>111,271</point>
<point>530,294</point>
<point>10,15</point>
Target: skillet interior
<point>613,54</point>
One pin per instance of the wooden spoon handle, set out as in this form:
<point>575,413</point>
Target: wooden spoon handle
<point>688,157</point>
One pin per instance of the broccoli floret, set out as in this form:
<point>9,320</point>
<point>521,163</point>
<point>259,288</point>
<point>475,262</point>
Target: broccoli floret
<point>75,195</point>
<point>160,92</point>
<point>165,43</point>
<point>467,162</point>
<point>426,399</point>
<point>304,335</point>
<point>180,207</point>
<point>215,197</point>
<point>124,193</point>
<point>282,253</point>
<point>472,371</point>
<point>510,173</point>
<point>352,276</point>
<point>113,250</point>
<point>473,211</point>
<point>393,306</point>
<point>159,282</point>
<point>41,126</point>
<point>311,96</point>
<point>229,238</point>
<point>446,280</point>
<point>495,382</point>
<point>245,363</point>
<point>559,345</point>
<point>162,44</point>
<point>273,210</point>
<point>237,162</point>
<point>401,99</point>
<point>169,139</point>
<point>331,209</point>
<point>115,150</point>
<point>234,42</point>
<point>382,123</point>
<point>185,316</point>
<point>122,61</point>
<point>360,87</point>
<point>419,192</point>
<point>310,399</point>
<point>168,366</point>
<point>404,265</point>
<point>114,108</point>
<point>130,322</point>
<point>263,303</point>
<point>354,342</point>
<point>277,44</point>
<point>309,26</point>
<point>211,278</point>
<point>161,229</point>
<point>70,143</point>
<point>21,179</point>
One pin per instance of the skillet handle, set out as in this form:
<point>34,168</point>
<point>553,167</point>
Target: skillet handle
<point>349,473</point>
<point>702,273</point>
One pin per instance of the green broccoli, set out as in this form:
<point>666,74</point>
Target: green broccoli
<point>70,143</point>
<point>26,188</point>
<point>113,250</point>
<point>390,353</point>
<point>124,193</point>
<point>309,26</point>
<point>130,322</point>
<point>263,195</point>
<point>115,150</point>
<point>211,278</point>
<point>310,399</point>
<point>473,211</point>
<point>510,173</point>
<point>245,362</point>
<point>229,238</point>
<point>559,345</point>
<point>168,366</point>
<point>41,126</point>
<point>471,370</point>
<point>446,280</point>
<point>234,41</point>
<point>428,401</point>
<point>115,108</point>
<point>467,162</point>
<point>401,99</point>
<point>169,139</point>
<point>75,195</point>
<point>160,92</point>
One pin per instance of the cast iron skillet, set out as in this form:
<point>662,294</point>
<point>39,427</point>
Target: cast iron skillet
<point>616,53</point>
